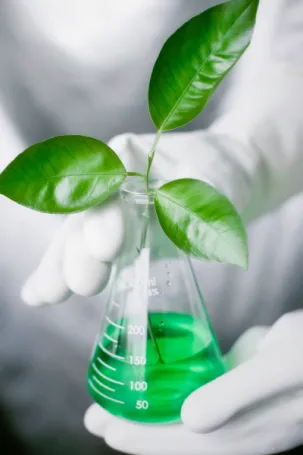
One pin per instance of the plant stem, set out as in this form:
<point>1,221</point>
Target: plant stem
<point>154,341</point>
<point>144,227</point>
<point>151,156</point>
<point>144,234</point>
<point>142,245</point>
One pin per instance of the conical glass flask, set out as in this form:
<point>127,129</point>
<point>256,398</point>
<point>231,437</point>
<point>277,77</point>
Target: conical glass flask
<point>156,344</point>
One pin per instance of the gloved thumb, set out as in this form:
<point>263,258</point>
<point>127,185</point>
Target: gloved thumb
<point>214,404</point>
<point>245,347</point>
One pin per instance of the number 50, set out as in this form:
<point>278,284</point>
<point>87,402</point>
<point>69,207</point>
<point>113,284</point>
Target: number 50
<point>142,404</point>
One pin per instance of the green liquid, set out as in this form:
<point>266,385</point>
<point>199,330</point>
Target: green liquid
<point>153,392</point>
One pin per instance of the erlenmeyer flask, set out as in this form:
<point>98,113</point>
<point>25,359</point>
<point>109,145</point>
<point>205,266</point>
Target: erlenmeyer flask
<point>156,344</point>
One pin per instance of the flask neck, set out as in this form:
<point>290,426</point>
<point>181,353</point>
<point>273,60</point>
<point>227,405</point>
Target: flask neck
<point>133,191</point>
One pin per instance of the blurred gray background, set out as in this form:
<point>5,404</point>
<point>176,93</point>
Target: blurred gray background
<point>83,66</point>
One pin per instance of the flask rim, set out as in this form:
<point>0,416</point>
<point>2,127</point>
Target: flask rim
<point>134,190</point>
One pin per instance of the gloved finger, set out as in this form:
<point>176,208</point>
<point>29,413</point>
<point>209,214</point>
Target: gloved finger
<point>47,283</point>
<point>29,292</point>
<point>287,329</point>
<point>137,439</point>
<point>264,429</point>
<point>268,427</point>
<point>96,420</point>
<point>83,274</point>
<point>261,431</point>
<point>103,229</point>
<point>245,347</point>
<point>261,378</point>
<point>51,285</point>
<point>173,439</point>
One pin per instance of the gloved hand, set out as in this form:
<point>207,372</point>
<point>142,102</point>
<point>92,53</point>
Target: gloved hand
<point>255,409</point>
<point>79,259</point>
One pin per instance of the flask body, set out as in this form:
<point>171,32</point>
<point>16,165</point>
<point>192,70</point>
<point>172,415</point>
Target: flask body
<point>156,344</point>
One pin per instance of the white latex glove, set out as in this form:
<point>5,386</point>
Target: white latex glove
<point>255,409</point>
<point>79,258</point>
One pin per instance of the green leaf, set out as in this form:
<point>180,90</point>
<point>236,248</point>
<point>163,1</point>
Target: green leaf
<point>195,59</point>
<point>63,174</point>
<point>201,221</point>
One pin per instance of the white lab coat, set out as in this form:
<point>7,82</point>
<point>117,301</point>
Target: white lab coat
<point>83,67</point>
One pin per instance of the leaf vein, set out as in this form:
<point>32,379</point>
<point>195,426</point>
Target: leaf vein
<point>196,216</point>
<point>213,52</point>
<point>79,175</point>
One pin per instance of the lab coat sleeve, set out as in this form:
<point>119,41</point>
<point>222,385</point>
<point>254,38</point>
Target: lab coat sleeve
<point>264,111</point>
